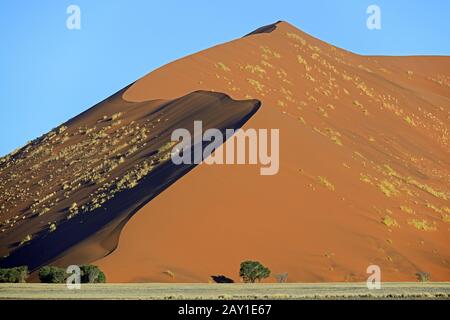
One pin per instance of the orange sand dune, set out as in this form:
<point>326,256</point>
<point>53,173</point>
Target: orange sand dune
<point>364,169</point>
<point>363,178</point>
<point>67,195</point>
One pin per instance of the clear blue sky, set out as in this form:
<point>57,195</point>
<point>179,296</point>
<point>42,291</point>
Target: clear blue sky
<point>49,74</point>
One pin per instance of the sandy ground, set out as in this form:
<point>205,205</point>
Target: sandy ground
<point>224,291</point>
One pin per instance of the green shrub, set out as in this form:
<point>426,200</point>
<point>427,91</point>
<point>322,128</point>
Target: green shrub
<point>89,274</point>
<point>101,277</point>
<point>49,274</point>
<point>252,271</point>
<point>14,275</point>
<point>92,274</point>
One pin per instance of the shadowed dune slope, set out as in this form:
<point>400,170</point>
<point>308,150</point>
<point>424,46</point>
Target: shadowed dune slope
<point>364,169</point>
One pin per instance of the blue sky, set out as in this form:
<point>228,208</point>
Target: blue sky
<point>49,74</point>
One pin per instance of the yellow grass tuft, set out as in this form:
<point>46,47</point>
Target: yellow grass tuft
<point>267,51</point>
<point>433,207</point>
<point>266,64</point>
<point>257,85</point>
<point>326,183</point>
<point>438,194</point>
<point>169,273</point>
<point>423,225</point>
<point>25,240</point>
<point>389,221</point>
<point>255,69</point>
<point>281,103</point>
<point>222,66</point>
<point>361,106</point>
<point>116,116</point>
<point>336,140</point>
<point>388,188</point>
<point>365,178</point>
<point>303,62</point>
<point>407,209</point>
<point>52,227</point>
<point>296,37</point>
<point>310,77</point>
<point>410,121</point>
<point>446,217</point>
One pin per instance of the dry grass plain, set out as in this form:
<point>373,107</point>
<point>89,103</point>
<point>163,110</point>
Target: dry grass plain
<point>158,291</point>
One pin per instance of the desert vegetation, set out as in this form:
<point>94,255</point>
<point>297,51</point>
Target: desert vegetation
<point>327,184</point>
<point>14,275</point>
<point>422,224</point>
<point>222,66</point>
<point>75,170</point>
<point>388,221</point>
<point>50,274</point>
<point>92,274</point>
<point>89,274</point>
<point>252,271</point>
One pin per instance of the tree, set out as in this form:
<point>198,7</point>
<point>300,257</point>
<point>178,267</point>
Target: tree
<point>92,274</point>
<point>89,274</point>
<point>14,275</point>
<point>252,271</point>
<point>49,274</point>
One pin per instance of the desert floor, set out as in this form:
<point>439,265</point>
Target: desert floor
<point>431,290</point>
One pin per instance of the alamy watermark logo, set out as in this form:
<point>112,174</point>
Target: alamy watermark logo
<point>73,281</point>
<point>192,150</point>
<point>374,20</point>
<point>73,21</point>
<point>374,280</point>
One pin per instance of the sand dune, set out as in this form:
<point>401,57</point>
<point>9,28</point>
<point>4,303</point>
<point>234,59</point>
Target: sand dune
<point>363,140</point>
<point>97,171</point>
<point>364,170</point>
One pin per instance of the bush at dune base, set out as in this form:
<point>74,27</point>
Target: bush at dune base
<point>89,274</point>
<point>92,274</point>
<point>14,275</point>
<point>252,271</point>
<point>49,274</point>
